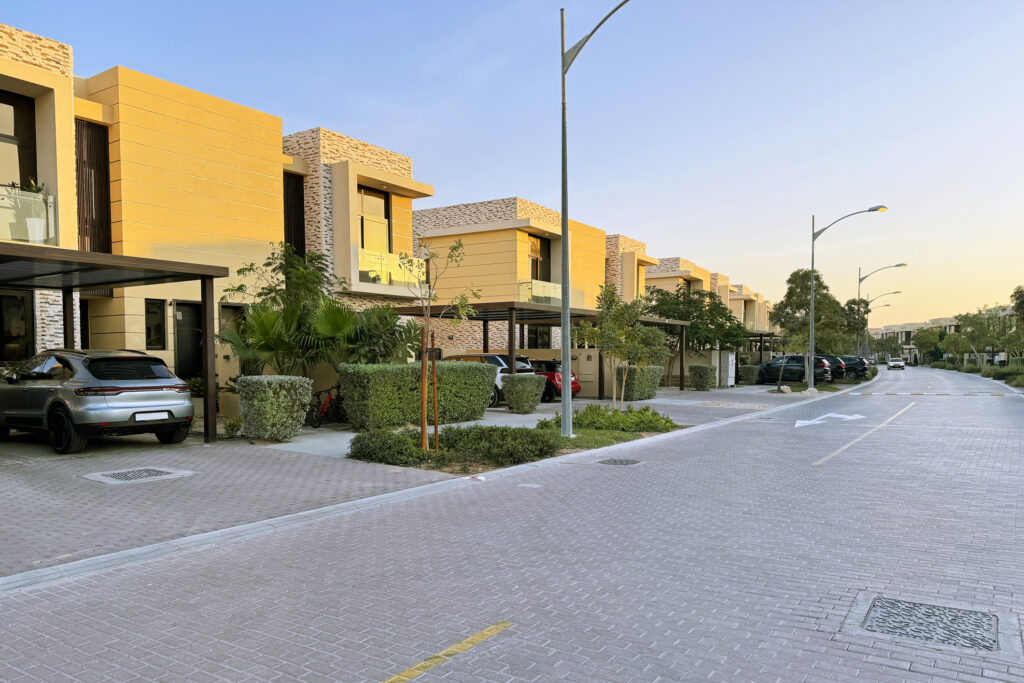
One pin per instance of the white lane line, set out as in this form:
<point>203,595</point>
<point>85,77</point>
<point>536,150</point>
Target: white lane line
<point>864,435</point>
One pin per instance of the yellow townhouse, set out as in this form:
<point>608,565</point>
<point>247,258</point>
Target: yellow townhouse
<point>127,164</point>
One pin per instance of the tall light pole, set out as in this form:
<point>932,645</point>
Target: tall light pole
<point>867,334</point>
<point>861,279</point>
<point>815,234</point>
<point>568,57</point>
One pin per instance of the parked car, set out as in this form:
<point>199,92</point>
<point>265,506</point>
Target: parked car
<point>552,369</point>
<point>793,370</point>
<point>499,360</point>
<point>856,367</point>
<point>72,395</point>
<point>896,364</point>
<point>836,364</point>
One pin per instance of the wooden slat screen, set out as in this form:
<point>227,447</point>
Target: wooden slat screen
<point>92,168</point>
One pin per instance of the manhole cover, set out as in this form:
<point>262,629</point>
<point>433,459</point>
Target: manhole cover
<point>138,474</point>
<point>618,461</point>
<point>946,625</point>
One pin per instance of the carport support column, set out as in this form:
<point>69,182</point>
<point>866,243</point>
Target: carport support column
<point>487,342</point>
<point>209,364</point>
<point>512,340</point>
<point>682,360</point>
<point>68,300</point>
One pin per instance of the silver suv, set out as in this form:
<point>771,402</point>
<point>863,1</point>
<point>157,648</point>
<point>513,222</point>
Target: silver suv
<point>72,395</point>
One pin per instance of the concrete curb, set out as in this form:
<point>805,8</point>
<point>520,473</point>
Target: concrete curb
<point>89,565</point>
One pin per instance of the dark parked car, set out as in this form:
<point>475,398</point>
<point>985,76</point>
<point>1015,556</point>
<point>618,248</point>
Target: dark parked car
<point>836,365</point>
<point>72,395</point>
<point>855,366</point>
<point>793,370</point>
<point>552,369</point>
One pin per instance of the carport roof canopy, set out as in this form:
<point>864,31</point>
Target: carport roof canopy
<point>525,313</point>
<point>24,266</point>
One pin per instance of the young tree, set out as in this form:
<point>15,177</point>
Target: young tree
<point>984,330</point>
<point>1017,303</point>
<point>956,345</point>
<point>888,347</point>
<point>927,342</point>
<point>424,273</point>
<point>835,325</point>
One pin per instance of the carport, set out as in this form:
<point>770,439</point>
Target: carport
<point>35,267</point>
<point>520,312</point>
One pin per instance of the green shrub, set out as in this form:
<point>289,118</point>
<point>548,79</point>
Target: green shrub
<point>1007,372</point>
<point>522,392</point>
<point>273,407</point>
<point>970,368</point>
<point>499,446</point>
<point>942,365</point>
<point>748,374</point>
<point>1016,381</point>
<point>641,383</point>
<point>872,371</point>
<point>232,425</point>
<point>702,377</point>
<point>385,447</point>
<point>989,370</point>
<point>388,395</point>
<point>597,416</point>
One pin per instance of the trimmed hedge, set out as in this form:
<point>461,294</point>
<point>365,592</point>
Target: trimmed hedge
<point>702,377</point>
<point>498,446</point>
<point>748,374</point>
<point>522,392</point>
<point>385,447</point>
<point>641,383</point>
<point>388,395</point>
<point>971,368</point>
<point>872,371</point>
<point>942,365</point>
<point>273,407</point>
<point>597,416</point>
<point>1016,381</point>
<point>989,370</point>
<point>1007,372</point>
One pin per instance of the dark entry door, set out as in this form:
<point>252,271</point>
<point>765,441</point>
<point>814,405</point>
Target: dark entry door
<point>188,341</point>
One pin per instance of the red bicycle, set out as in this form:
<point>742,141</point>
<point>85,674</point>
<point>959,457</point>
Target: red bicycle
<point>326,405</point>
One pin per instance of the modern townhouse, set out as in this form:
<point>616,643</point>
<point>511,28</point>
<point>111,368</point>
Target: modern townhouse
<point>135,166</point>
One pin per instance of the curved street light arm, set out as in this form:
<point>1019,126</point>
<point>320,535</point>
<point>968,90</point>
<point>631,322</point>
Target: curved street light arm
<point>897,265</point>
<point>817,233</point>
<point>569,56</point>
<point>881,295</point>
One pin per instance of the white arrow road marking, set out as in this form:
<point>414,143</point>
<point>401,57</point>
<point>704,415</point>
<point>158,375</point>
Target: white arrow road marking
<point>863,436</point>
<point>821,419</point>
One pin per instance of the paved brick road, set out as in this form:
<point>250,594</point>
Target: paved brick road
<point>727,554</point>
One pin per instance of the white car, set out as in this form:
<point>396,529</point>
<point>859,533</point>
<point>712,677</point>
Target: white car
<point>896,364</point>
<point>500,360</point>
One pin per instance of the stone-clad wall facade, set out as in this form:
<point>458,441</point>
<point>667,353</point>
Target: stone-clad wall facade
<point>319,148</point>
<point>28,48</point>
<point>474,213</point>
<point>615,246</point>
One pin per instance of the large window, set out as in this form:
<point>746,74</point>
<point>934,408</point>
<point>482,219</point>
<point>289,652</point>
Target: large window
<point>540,259</point>
<point>295,212</point>
<point>156,324</point>
<point>375,210</point>
<point>538,337</point>
<point>17,139</point>
<point>16,329</point>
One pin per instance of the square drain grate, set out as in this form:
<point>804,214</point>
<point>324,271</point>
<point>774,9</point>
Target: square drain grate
<point>139,474</point>
<point>618,461</point>
<point>935,623</point>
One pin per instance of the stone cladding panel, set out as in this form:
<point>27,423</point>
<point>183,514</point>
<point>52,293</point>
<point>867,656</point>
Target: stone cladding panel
<point>28,48</point>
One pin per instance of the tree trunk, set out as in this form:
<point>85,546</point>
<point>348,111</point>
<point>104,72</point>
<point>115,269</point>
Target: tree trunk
<point>433,379</point>
<point>423,387</point>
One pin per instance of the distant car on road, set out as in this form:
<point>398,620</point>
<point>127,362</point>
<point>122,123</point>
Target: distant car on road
<point>552,369</point>
<point>499,360</point>
<point>896,364</point>
<point>72,395</point>
<point>793,370</point>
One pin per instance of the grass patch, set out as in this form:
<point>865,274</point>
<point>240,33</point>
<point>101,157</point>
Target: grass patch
<point>587,439</point>
<point>797,388</point>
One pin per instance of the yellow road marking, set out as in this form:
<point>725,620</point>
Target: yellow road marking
<point>890,394</point>
<point>864,435</point>
<point>442,657</point>
<point>913,394</point>
<point>999,394</point>
<point>942,394</point>
<point>865,393</point>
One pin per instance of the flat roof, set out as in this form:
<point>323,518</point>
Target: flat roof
<point>33,266</point>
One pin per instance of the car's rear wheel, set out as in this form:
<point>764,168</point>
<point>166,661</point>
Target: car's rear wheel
<point>549,393</point>
<point>176,435</point>
<point>760,377</point>
<point>494,398</point>
<point>64,436</point>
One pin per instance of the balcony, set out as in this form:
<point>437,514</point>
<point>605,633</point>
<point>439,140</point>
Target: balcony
<point>383,268</point>
<point>540,292</point>
<point>27,216</point>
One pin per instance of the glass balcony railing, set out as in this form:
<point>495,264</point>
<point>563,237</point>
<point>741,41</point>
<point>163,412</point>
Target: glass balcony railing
<point>383,268</point>
<point>27,216</point>
<point>540,292</point>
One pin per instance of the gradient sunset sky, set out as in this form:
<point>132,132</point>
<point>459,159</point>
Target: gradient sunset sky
<point>711,130</point>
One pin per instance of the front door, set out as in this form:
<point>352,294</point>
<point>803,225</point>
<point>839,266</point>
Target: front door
<point>188,340</point>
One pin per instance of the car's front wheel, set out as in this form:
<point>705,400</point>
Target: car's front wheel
<point>176,435</point>
<point>64,436</point>
<point>494,398</point>
<point>760,377</point>
<point>549,393</point>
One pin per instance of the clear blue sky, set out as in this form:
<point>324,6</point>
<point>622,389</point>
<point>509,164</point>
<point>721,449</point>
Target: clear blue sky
<point>711,130</point>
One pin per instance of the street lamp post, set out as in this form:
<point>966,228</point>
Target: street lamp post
<point>861,279</point>
<point>815,234</point>
<point>568,57</point>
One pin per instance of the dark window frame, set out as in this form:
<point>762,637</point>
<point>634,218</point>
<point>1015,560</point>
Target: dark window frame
<point>295,211</point>
<point>30,324</point>
<point>163,324</point>
<point>25,139</point>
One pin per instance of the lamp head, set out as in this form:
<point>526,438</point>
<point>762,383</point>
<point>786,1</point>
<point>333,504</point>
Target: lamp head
<point>880,207</point>
<point>901,265</point>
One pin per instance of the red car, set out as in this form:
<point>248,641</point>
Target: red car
<point>552,369</point>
